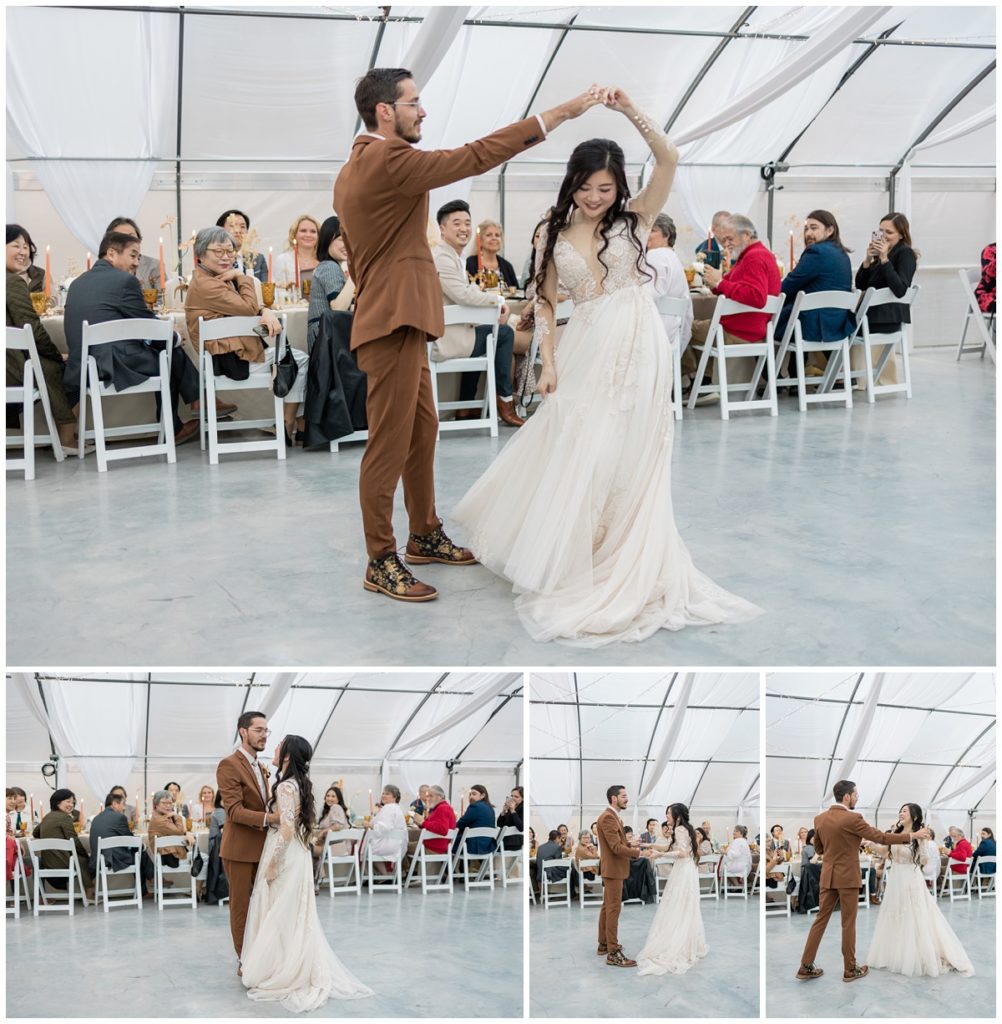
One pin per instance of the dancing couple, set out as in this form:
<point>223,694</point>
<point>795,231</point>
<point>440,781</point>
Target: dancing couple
<point>282,952</point>
<point>676,939</point>
<point>911,936</point>
<point>588,538</point>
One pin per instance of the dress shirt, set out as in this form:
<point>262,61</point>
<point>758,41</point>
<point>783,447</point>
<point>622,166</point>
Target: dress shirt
<point>259,775</point>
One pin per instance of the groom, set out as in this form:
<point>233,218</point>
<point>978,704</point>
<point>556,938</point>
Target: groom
<point>837,835</point>
<point>381,196</point>
<point>615,853</point>
<point>242,782</point>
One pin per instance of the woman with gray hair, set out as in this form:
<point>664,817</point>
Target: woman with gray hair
<point>669,278</point>
<point>388,829</point>
<point>217,290</point>
<point>166,822</point>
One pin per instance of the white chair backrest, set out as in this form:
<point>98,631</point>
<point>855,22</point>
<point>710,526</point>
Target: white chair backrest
<point>41,845</point>
<point>985,860</point>
<point>116,842</point>
<point>828,300</point>
<point>346,835</point>
<point>227,327</point>
<point>669,305</point>
<point>160,842</point>
<point>588,865</point>
<point>127,330</point>
<point>21,338</point>
<point>425,834</point>
<point>884,296</point>
<point>710,858</point>
<point>479,833</point>
<point>727,307</point>
<point>973,276</point>
<point>475,315</point>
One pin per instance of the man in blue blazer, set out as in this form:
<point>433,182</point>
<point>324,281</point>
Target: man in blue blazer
<point>823,267</point>
<point>108,824</point>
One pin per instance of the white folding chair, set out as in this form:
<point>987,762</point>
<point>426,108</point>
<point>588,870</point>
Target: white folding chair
<point>423,857</point>
<point>977,877</point>
<point>19,887</point>
<point>670,306</point>
<point>984,323</point>
<point>358,435</point>
<point>474,316</point>
<point>32,389</point>
<point>343,882</point>
<point>729,877</point>
<point>864,886</point>
<point>259,378</point>
<point>955,880</point>
<point>663,866</point>
<point>716,348</point>
<point>793,341</point>
<point>563,312</point>
<point>462,866</point>
<point>556,892</point>
<point>108,333</point>
<point>74,879</point>
<point>133,893</point>
<point>590,890</point>
<point>713,877</point>
<point>180,895</point>
<point>393,881</point>
<point>779,907</point>
<point>508,860</point>
<point>900,339</point>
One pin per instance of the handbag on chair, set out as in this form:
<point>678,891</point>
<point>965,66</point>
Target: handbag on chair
<point>284,373</point>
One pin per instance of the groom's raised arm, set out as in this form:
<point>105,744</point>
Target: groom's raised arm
<point>232,793</point>
<point>865,831</point>
<point>610,839</point>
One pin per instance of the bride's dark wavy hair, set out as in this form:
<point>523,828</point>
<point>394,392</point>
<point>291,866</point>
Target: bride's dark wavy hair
<point>680,816</point>
<point>587,159</point>
<point>299,753</point>
<point>916,812</point>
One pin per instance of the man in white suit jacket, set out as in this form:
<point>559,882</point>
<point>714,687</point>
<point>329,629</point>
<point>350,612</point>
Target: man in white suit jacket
<point>459,341</point>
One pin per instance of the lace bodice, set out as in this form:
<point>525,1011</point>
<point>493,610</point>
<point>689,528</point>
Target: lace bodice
<point>682,846</point>
<point>287,805</point>
<point>901,853</point>
<point>584,281</point>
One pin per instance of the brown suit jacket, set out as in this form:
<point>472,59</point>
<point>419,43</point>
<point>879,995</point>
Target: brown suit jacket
<point>381,196</point>
<point>614,852</point>
<point>212,299</point>
<point>245,830</point>
<point>837,835</point>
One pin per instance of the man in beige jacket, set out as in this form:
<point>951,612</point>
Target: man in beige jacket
<point>459,341</point>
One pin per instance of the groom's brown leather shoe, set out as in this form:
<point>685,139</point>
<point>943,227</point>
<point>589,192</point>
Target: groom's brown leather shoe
<point>858,971</point>
<point>603,949</point>
<point>436,547</point>
<point>391,577</point>
<point>617,959</point>
<point>808,971</point>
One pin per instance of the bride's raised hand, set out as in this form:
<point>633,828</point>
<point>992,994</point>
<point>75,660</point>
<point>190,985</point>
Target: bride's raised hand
<point>616,99</point>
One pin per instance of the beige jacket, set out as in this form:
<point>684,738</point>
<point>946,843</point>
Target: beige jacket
<point>457,290</point>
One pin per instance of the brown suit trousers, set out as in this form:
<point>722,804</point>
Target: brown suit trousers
<point>240,875</point>
<point>849,900</point>
<point>403,429</point>
<point>608,916</point>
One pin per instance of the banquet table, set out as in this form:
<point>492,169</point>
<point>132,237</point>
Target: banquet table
<point>703,305</point>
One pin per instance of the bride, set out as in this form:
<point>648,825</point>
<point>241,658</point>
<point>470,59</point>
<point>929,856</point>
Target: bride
<point>588,536</point>
<point>286,957</point>
<point>911,936</point>
<point>676,939</point>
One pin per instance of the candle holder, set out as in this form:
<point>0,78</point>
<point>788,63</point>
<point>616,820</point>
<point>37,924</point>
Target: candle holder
<point>39,301</point>
<point>489,280</point>
<point>150,297</point>
<point>690,275</point>
<point>305,288</point>
<point>267,293</point>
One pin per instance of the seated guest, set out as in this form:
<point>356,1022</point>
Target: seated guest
<point>890,262</point>
<point>985,290</point>
<point>458,341</point>
<point>17,812</point>
<point>479,814</point>
<point>823,267</point>
<point>593,828</point>
<point>21,251</point>
<point>564,839</point>
<point>333,818</point>
<point>174,788</point>
<point>329,288</point>
<point>511,816</point>
<point>165,821</point>
<point>305,232</point>
<point>669,278</point>
<point>20,311</point>
<point>58,824</point>
<point>711,249</point>
<point>706,831</point>
<point>777,843</point>
<point>585,850</point>
<point>705,848</point>
<point>420,805</point>
<point>532,842</point>
<point>253,264</point>
<point>110,291</point>
<point>388,829</point>
<point>931,863</point>
<point>986,848</point>
<point>218,290</point>
<point>666,831</point>
<point>799,842</point>
<point>738,856</point>
<point>109,824</point>
<point>202,811</point>
<point>650,833</point>
<point>550,850</point>
<point>218,819</point>
<point>130,810</point>
<point>753,277</point>
<point>441,819</point>
<point>806,852</point>
<point>491,242</point>
<point>148,271</point>
<point>960,850</point>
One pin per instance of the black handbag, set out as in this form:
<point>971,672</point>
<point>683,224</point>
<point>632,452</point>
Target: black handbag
<point>197,863</point>
<point>284,373</point>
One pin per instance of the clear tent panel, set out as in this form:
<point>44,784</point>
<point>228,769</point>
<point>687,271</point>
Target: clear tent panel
<point>548,686</point>
<point>677,785</point>
<point>942,738</point>
<point>730,689</point>
<point>623,731</point>
<point>799,727</point>
<point>889,734</point>
<point>610,688</point>
<point>741,742</point>
<point>553,730</point>
<point>977,694</point>
<point>357,729</point>
<point>812,684</point>
<point>702,733</point>
<point>598,775</point>
<point>27,740</point>
<point>963,788</point>
<point>794,783</point>
<point>503,733</point>
<point>187,718</point>
<point>911,783</point>
<point>723,785</point>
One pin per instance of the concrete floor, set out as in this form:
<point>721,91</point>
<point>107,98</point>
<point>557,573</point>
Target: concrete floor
<point>875,529</point>
<point>567,979</point>
<point>440,955</point>
<point>880,991</point>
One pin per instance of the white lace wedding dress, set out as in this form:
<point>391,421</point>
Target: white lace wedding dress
<point>676,939</point>
<point>576,510</point>
<point>286,957</point>
<point>911,936</point>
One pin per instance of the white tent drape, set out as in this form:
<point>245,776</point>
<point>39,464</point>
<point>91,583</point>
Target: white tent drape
<point>974,123</point>
<point>986,773</point>
<point>862,732</point>
<point>124,72</point>
<point>672,733</point>
<point>440,27</point>
<point>277,692</point>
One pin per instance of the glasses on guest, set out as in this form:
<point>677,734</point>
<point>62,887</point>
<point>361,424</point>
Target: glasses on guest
<point>221,252</point>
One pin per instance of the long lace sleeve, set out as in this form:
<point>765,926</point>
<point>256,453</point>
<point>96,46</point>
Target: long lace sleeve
<point>649,202</point>
<point>287,803</point>
<point>682,846</point>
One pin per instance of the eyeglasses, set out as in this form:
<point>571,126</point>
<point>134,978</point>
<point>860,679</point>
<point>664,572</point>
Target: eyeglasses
<point>406,103</point>
<point>222,252</point>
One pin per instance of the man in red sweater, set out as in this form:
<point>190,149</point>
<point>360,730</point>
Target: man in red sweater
<point>440,820</point>
<point>753,277</point>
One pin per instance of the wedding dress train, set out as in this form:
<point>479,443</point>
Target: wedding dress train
<point>286,957</point>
